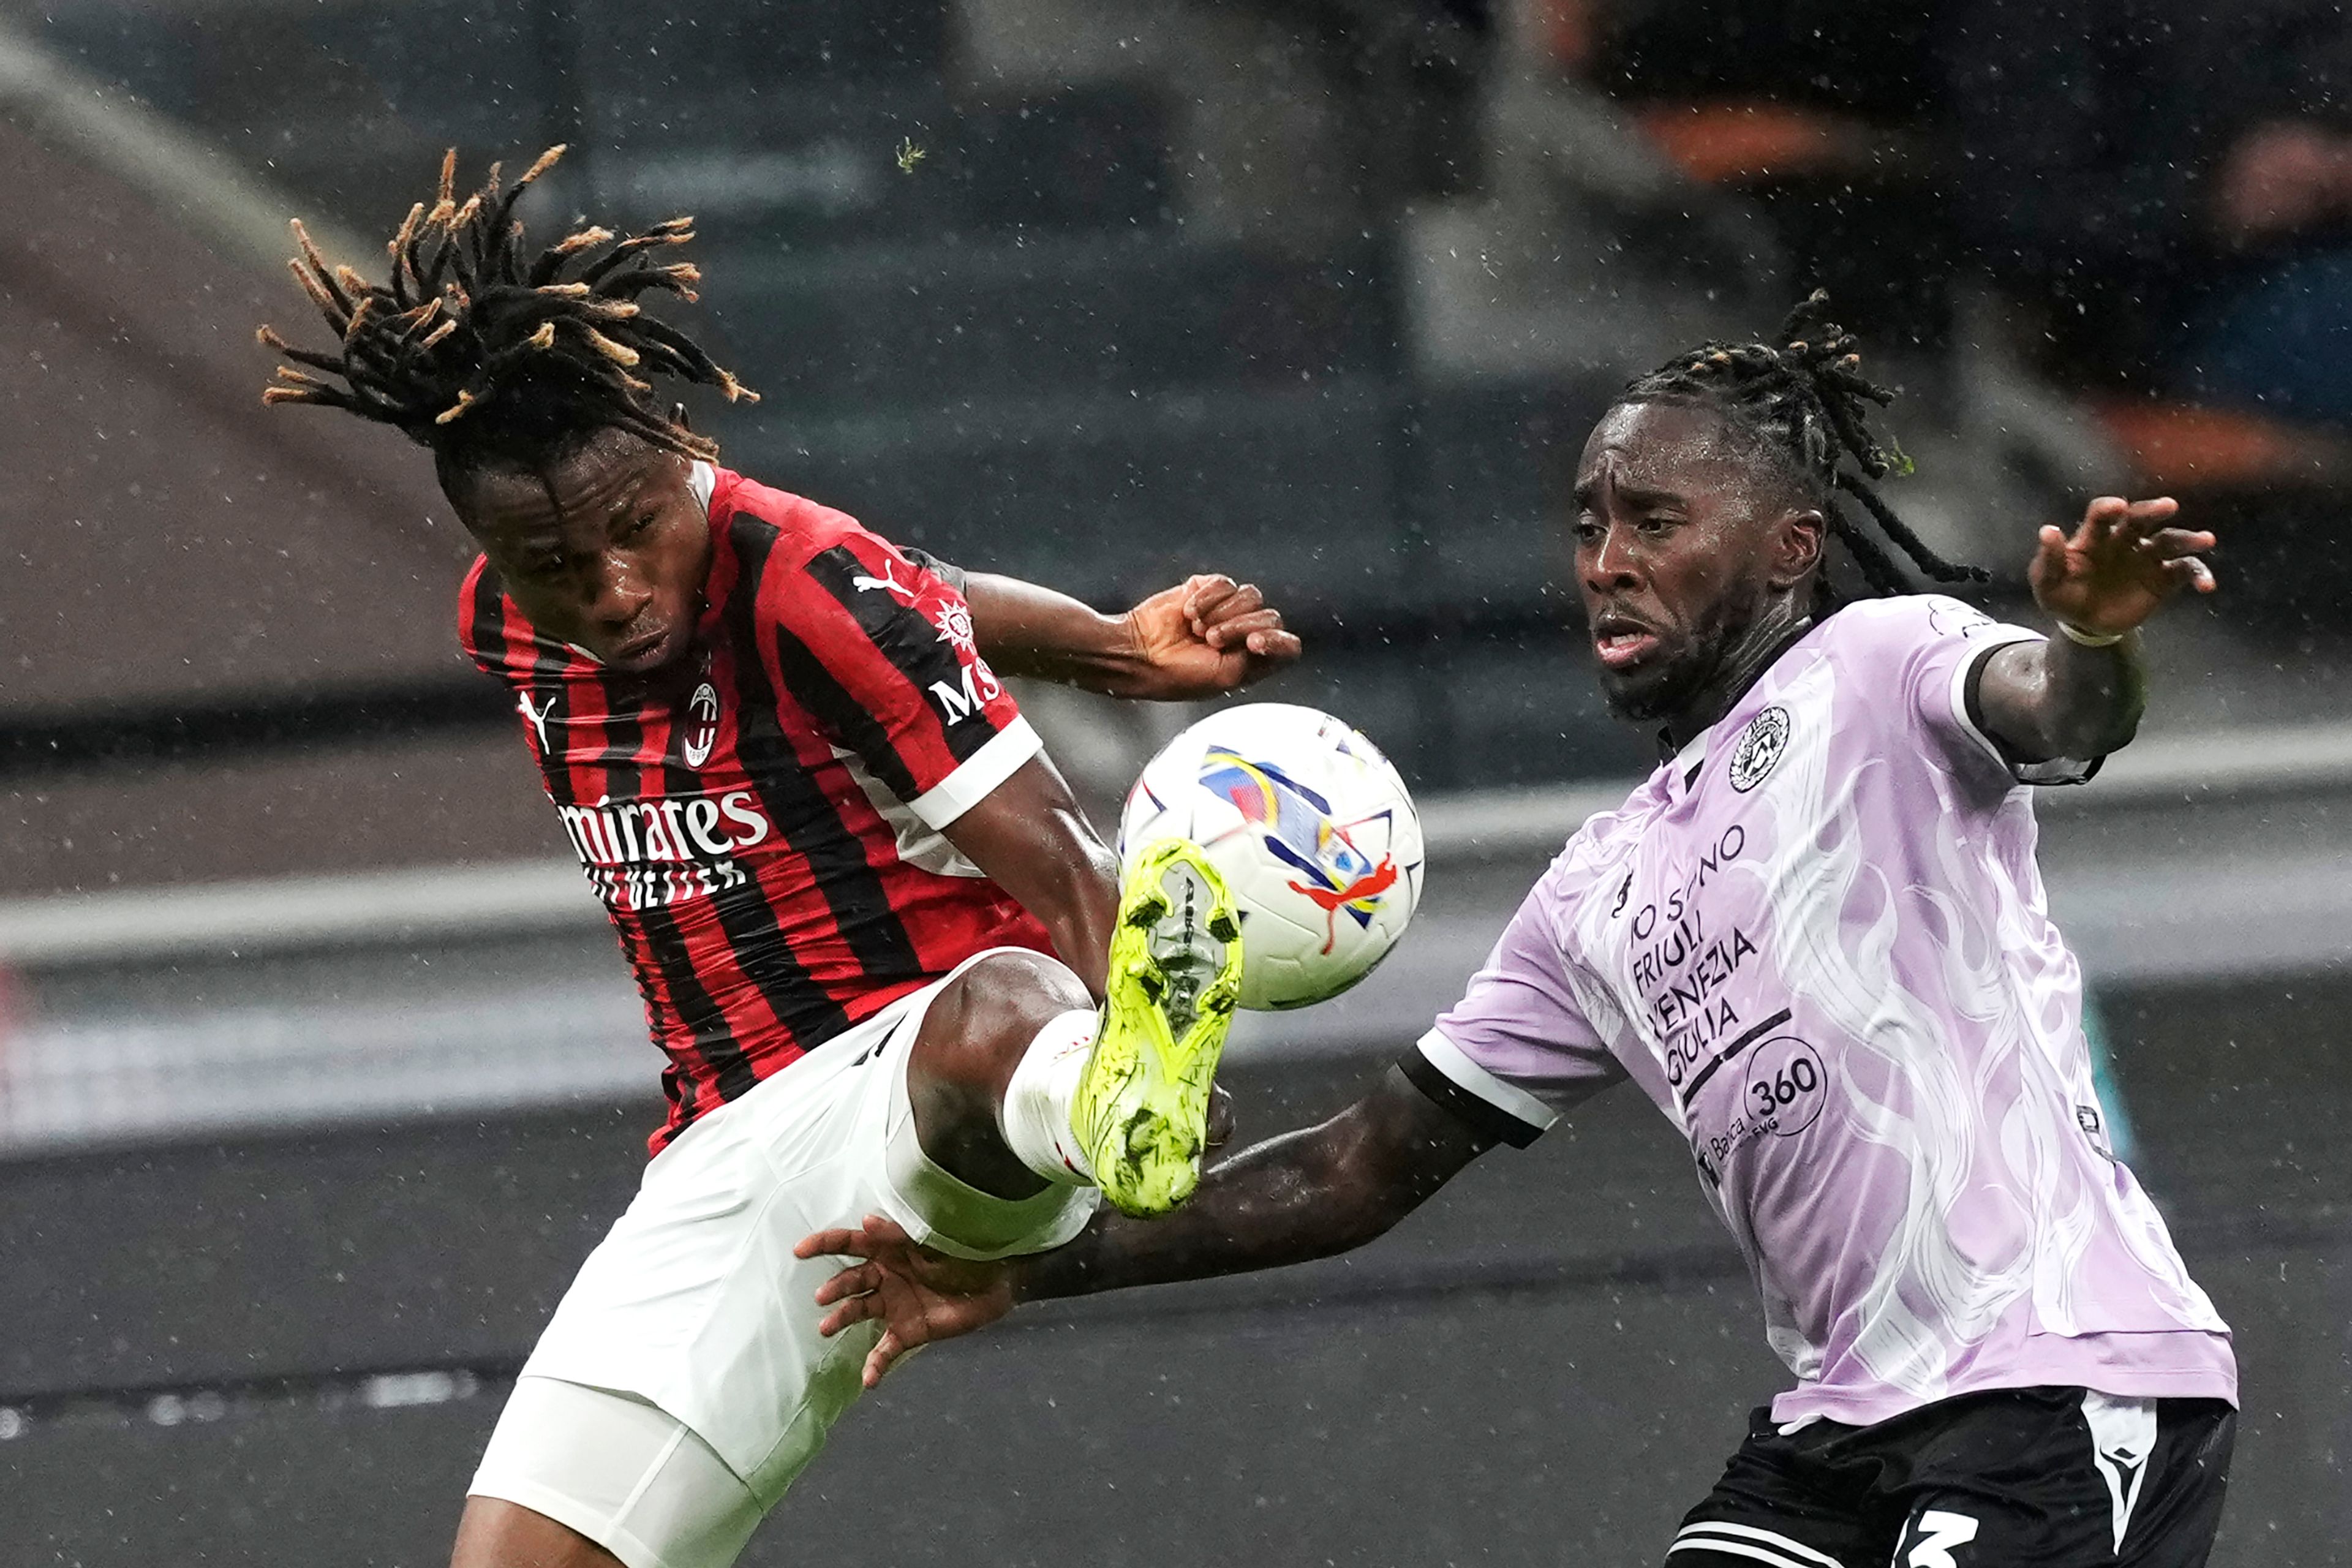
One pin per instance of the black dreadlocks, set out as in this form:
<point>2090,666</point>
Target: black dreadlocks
<point>490,357</point>
<point>1804,403</point>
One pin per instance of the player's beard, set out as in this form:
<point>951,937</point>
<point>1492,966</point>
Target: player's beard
<point>1669,686</point>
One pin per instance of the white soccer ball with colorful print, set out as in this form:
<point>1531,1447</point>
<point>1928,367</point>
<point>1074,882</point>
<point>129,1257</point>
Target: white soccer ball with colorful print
<point>1313,831</point>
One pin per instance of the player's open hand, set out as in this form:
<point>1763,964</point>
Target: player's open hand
<point>1208,636</point>
<point>2121,564</point>
<point>917,1294</point>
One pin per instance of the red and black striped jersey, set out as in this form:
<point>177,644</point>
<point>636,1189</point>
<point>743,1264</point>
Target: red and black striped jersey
<point>764,828</point>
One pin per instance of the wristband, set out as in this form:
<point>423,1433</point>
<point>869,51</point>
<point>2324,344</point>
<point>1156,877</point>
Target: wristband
<point>2075,634</point>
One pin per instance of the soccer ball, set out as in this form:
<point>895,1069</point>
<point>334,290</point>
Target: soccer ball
<point>1312,830</point>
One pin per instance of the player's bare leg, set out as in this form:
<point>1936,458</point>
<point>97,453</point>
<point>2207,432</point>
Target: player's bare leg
<point>1017,1080</point>
<point>973,1041</point>
<point>494,1533</point>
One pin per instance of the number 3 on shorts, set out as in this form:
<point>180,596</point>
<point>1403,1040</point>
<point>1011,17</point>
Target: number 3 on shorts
<point>1929,1543</point>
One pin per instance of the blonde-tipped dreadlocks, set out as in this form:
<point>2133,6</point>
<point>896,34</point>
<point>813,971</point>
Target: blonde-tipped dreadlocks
<point>486,354</point>
<point>1806,400</point>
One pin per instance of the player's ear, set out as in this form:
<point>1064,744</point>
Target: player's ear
<point>1796,546</point>
<point>678,417</point>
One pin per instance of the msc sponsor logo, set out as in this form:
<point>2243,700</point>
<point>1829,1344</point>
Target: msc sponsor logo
<point>979,686</point>
<point>952,621</point>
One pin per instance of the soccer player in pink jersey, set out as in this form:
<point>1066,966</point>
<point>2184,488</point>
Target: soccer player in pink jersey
<point>1816,939</point>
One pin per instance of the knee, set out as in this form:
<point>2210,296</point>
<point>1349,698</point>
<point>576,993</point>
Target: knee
<point>998,1004</point>
<point>981,1023</point>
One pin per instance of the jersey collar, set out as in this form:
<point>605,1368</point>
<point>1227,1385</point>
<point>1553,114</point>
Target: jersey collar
<point>1687,761</point>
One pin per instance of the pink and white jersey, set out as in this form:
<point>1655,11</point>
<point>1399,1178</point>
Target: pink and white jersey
<point>1818,941</point>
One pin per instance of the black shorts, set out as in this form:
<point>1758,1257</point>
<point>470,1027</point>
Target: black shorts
<point>2049,1477</point>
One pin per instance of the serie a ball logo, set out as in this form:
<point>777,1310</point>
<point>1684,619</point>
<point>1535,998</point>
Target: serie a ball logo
<point>1313,831</point>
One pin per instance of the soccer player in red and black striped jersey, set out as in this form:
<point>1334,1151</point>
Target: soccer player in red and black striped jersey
<point>757,780</point>
<point>891,965</point>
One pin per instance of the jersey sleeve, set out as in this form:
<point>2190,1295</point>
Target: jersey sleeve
<point>493,634</point>
<point>1516,1050</point>
<point>1942,646</point>
<point>878,648</point>
<point>954,576</point>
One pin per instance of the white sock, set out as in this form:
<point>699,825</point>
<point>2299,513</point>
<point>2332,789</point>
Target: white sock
<point>1035,1115</point>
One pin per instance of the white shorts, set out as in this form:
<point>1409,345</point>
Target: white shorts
<point>624,1473</point>
<point>694,1306</point>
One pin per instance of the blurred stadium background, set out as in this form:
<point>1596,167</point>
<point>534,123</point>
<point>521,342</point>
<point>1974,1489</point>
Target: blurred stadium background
<point>319,1074</point>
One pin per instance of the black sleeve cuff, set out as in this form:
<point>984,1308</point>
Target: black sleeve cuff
<point>2054,771</point>
<point>953,576</point>
<point>1482,1117</point>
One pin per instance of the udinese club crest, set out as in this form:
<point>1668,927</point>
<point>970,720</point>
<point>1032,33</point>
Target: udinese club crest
<point>1759,748</point>
<point>700,731</point>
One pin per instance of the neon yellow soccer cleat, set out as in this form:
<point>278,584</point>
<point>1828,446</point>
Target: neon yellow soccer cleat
<point>1142,1111</point>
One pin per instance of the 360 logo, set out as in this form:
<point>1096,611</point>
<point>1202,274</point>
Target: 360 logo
<point>1785,1080</point>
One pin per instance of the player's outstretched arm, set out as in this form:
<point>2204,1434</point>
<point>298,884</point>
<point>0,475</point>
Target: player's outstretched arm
<point>2080,694</point>
<point>1303,1195</point>
<point>1204,637</point>
<point>1031,838</point>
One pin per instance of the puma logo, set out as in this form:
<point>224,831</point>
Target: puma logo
<point>538,716</point>
<point>888,582</point>
<point>1363,890</point>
